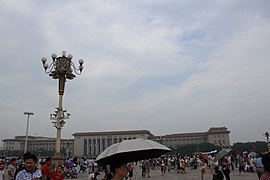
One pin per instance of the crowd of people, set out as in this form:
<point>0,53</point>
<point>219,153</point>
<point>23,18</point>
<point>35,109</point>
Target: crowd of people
<point>219,168</point>
<point>32,168</point>
<point>28,168</point>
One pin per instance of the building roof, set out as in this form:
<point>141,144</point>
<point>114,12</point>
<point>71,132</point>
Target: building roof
<point>109,133</point>
<point>34,138</point>
<point>212,130</point>
<point>198,134</point>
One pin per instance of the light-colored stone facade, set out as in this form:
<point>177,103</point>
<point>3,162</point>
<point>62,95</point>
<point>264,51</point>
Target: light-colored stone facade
<point>218,136</point>
<point>91,144</point>
<point>37,143</point>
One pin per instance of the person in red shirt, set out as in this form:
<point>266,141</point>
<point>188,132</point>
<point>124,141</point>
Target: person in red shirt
<point>58,175</point>
<point>45,170</point>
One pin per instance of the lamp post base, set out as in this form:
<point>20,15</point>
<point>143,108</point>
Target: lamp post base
<point>58,159</point>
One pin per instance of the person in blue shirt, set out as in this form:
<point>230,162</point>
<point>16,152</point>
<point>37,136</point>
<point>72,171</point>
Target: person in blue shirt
<point>259,166</point>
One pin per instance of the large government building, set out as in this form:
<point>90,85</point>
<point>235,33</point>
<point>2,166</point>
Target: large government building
<point>91,144</point>
<point>38,144</point>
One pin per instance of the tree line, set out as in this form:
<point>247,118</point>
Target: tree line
<point>239,147</point>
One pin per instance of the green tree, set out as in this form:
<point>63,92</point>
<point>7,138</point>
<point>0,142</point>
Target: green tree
<point>258,146</point>
<point>194,148</point>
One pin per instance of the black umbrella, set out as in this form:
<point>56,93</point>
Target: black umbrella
<point>131,150</point>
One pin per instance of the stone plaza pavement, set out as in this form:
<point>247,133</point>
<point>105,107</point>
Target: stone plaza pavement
<point>191,174</point>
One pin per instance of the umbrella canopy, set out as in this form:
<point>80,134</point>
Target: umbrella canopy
<point>131,150</point>
<point>253,154</point>
<point>222,153</point>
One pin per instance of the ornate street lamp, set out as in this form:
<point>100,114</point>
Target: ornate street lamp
<point>61,68</point>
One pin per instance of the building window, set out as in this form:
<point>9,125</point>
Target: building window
<point>109,142</point>
<point>85,146</point>
<point>103,144</point>
<point>98,145</point>
<point>89,146</point>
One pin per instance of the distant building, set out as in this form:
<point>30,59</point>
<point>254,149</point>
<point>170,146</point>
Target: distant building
<point>37,143</point>
<point>91,144</point>
<point>218,136</point>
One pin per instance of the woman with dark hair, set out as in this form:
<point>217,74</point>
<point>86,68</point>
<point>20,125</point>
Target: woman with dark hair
<point>225,167</point>
<point>119,171</point>
<point>266,164</point>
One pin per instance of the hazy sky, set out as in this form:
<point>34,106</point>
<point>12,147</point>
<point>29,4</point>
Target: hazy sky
<point>167,66</point>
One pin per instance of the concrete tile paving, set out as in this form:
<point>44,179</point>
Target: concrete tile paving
<point>191,174</point>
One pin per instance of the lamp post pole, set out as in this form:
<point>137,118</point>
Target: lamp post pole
<point>267,140</point>
<point>27,125</point>
<point>61,68</point>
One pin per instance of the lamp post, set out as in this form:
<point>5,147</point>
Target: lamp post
<point>267,140</point>
<point>27,125</point>
<point>61,68</point>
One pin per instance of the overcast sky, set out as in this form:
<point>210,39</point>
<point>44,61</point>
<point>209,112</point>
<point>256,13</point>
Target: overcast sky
<point>167,66</point>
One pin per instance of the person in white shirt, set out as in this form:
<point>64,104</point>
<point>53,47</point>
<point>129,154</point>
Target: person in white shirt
<point>11,169</point>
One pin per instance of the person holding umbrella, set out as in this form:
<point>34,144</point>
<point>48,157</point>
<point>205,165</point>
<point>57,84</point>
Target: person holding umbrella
<point>119,171</point>
<point>225,167</point>
<point>119,154</point>
<point>223,162</point>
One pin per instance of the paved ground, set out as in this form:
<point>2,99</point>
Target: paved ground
<point>191,174</point>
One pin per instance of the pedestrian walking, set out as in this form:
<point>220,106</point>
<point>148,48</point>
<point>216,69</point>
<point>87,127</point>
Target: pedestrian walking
<point>46,170</point>
<point>200,164</point>
<point>225,164</point>
<point>11,169</point>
